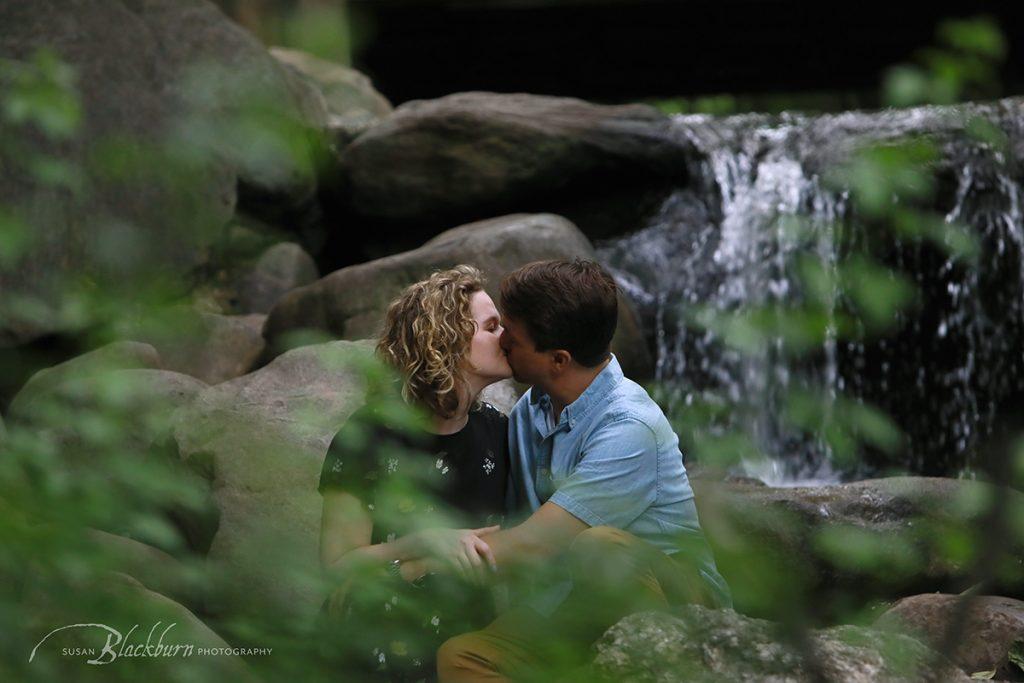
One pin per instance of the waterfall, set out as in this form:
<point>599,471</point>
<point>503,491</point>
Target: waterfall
<point>730,241</point>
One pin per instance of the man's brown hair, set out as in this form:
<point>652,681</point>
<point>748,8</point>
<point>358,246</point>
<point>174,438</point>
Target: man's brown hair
<point>571,305</point>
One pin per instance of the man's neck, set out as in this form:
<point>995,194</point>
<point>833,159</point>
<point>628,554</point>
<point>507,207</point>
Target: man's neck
<point>571,386</point>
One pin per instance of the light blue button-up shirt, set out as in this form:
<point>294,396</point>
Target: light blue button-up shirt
<point>612,459</point>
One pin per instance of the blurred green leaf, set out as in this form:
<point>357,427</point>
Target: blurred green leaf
<point>988,133</point>
<point>906,86</point>
<point>1015,654</point>
<point>41,92</point>
<point>981,36</point>
<point>322,30</point>
<point>877,292</point>
<point>857,549</point>
<point>15,238</point>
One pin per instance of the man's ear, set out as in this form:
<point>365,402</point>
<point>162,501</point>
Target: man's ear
<point>560,360</point>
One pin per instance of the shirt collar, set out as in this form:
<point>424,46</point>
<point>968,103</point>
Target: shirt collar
<point>606,380</point>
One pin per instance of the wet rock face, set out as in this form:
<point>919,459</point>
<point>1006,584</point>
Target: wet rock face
<point>350,303</point>
<point>698,644</point>
<point>166,85</point>
<point>875,539</point>
<point>483,154</point>
<point>943,369</point>
<point>984,633</point>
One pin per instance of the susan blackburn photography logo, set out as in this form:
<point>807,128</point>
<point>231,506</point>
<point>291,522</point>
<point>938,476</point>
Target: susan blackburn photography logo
<point>117,645</point>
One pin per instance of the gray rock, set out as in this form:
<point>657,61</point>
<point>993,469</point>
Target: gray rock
<point>353,104</point>
<point>124,601</point>
<point>482,153</point>
<point>119,423</point>
<point>696,644</point>
<point>350,303</point>
<point>880,538</point>
<point>279,270</point>
<point>502,395</point>
<point>116,356</point>
<point>985,633</point>
<point>211,347</point>
<point>262,439</point>
<point>157,570</point>
<point>171,84</point>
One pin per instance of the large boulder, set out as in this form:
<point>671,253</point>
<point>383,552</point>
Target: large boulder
<point>353,104</point>
<point>696,644</point>
<point>985,634</point>
<point>116,356</point>
<point>280,269</point>
<point>210,347</point>
<point>108,427</point>
<point>873,539</point>
<point>261,439</point>
<point>481,153</point>
<point>350,303</point>
<point>180,109</point>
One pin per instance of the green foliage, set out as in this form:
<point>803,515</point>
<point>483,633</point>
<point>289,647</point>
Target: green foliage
<point>40,93</point>
<point>965,64</point>
<point>96,451</point>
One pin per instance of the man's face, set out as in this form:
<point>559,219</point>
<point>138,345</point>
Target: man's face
<point>529,365</point>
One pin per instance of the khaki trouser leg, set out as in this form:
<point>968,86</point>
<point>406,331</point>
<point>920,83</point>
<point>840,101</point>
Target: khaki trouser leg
<point>509,648</point>
<point>614,574</point>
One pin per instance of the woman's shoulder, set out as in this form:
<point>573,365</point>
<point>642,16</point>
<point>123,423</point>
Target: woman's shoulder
<point>489,411</point>
<point>374,424</point>
<point>489,416</point>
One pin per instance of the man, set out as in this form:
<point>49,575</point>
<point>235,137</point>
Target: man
<point>598,465</point>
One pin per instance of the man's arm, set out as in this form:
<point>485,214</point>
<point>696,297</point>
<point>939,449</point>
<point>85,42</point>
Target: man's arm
<point>614,482</point>
<point>546,533</point>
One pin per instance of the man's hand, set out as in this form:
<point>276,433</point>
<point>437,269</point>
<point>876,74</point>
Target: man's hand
<point>545,534</point>
<point>463,550</point>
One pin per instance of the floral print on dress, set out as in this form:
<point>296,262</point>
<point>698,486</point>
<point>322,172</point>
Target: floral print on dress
<point>441,464</point>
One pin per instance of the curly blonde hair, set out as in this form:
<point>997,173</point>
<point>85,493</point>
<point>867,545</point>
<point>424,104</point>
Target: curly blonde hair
<point>427,334</point>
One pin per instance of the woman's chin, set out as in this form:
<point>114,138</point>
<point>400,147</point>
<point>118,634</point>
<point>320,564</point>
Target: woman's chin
<point>504,374</point>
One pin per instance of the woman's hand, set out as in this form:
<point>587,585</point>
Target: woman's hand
<point>461,549</point>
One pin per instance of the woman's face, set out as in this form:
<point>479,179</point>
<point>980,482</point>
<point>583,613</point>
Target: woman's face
<point>486,357</point>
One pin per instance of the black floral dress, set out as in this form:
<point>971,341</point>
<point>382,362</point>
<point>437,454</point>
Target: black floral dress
<point>391,629</point>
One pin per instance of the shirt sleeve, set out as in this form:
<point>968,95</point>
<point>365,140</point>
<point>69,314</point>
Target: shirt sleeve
<point>350,464</point>
<point>617,477</point>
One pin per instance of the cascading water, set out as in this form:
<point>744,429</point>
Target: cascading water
<point>726,242</point>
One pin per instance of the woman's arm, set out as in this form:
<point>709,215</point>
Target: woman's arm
<point>345,535</point>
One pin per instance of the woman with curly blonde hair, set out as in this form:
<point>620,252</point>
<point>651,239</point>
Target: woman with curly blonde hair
<point>441,336</point>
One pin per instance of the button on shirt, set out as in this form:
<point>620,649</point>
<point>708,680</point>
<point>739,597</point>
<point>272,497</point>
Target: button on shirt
<point>612,459</point>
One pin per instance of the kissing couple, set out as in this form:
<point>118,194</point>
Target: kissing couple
<point>574,511</point>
